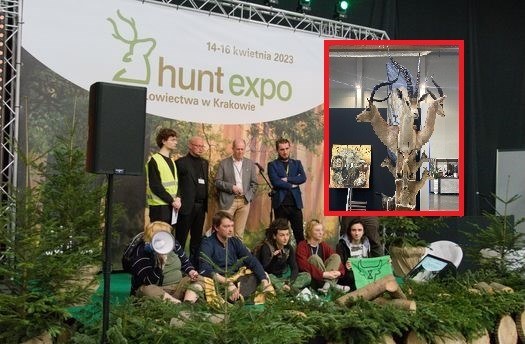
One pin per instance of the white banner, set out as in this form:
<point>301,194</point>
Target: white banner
<point>196,67</point>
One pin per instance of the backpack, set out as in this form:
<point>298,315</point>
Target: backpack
<point>129,252</point>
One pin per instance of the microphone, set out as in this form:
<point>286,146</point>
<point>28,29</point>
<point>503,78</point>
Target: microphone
<point>260,167</point>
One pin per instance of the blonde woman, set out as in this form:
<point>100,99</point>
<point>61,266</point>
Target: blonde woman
<point>318,259</point>
<point>161,275</point>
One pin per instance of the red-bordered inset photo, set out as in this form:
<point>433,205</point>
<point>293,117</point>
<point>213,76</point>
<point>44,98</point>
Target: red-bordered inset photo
<point>394,128</point>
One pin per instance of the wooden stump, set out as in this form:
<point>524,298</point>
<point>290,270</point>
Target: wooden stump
<point>520,325</point>
<point>387,339</point>
<point>405,258</point>
<point>44,338</point>
<point>455,339</point>
<point>483,339</point>
<point>506,332</point>
<point>412,338</point>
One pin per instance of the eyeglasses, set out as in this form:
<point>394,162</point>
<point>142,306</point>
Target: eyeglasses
<point>198,146</point>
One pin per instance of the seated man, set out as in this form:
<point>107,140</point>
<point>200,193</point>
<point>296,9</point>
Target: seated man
<point>227,261</point>
<point>160,275</point>
<point>277,257</point>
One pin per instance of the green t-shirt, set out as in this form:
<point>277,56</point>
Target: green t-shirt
<point>171,271</point>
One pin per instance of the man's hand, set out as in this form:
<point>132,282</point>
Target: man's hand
<point>237,190</point>
<point>176,203</point>
<point>234,292</point>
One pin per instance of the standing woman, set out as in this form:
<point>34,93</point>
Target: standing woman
<point>318,259</point>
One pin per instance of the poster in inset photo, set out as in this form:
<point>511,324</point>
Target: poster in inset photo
<point>394,128</point>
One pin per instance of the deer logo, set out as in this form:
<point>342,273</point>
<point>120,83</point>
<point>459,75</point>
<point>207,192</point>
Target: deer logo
<point>136,68</point>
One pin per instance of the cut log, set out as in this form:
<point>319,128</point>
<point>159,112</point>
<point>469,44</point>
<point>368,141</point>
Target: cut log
<point>520,325</point>
<point>474,291</point>
<point>484,286</point>
<point>398,293</point>
<point>388,340</point>
<point>372,290</point>
<point>408,305</point>
<point>501,288</point>
<point>452,339</point>
<point>483,339</point>
<point>506,332</point>
<point>412,338</point>
<point>405,258</point>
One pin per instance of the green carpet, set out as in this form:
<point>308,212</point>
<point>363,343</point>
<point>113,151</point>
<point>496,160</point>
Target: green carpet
<point>120,284</point>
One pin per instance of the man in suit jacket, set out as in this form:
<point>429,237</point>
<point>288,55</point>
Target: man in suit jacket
<point>286,175</point>
<point>236,183</point>
<point>192,172</point>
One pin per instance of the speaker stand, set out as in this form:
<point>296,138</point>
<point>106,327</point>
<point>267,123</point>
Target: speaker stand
<point>106,268</point>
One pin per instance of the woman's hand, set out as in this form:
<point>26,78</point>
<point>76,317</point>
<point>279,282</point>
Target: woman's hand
<point>348,265</point>
<point>331,274</point>
<point>193,275</point>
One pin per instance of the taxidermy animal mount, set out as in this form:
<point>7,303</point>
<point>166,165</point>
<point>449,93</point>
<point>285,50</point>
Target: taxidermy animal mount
<point>404,139</point>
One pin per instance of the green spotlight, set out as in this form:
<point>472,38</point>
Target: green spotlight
<point>304,5</point>
<point>341,7</point>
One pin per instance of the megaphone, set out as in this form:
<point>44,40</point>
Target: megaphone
<point>163,242</point>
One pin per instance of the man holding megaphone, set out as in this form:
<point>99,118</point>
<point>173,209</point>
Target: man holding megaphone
<point>161,269</point>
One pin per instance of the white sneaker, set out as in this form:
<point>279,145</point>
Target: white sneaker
<point>324,289</point>
<point>343,288</point>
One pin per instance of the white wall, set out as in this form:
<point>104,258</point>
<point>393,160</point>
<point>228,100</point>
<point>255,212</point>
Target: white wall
<point>345,73</point>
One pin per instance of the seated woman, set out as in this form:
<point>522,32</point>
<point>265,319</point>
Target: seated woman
<point>161,275</point>
<point>318,259</point>
<point>277,257</point>
<point>353,244</point>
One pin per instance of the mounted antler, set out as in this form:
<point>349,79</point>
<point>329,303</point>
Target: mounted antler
<point>406,75</point>
<point>378,86</point>
<point>386,133</point>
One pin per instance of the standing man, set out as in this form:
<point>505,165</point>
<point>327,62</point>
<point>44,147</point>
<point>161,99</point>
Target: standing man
<point>236,183</point>
<point>286,175</point>
<point>161,177</point>
<point>192,171</point>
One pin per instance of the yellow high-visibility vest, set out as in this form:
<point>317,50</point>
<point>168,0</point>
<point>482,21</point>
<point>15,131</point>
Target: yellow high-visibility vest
<point>168,180</point>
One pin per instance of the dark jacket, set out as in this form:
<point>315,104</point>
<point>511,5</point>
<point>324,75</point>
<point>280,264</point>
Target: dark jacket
<point>189,181</point>
<point>144,269</point>
<point>295,176</point>
<point>278,264</point>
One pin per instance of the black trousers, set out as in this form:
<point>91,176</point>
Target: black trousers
<point>295,216</point>
<point>160,213</point>
<point>192,224</point>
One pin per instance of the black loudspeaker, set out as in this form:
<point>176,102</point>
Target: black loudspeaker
<point>117,121</point>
